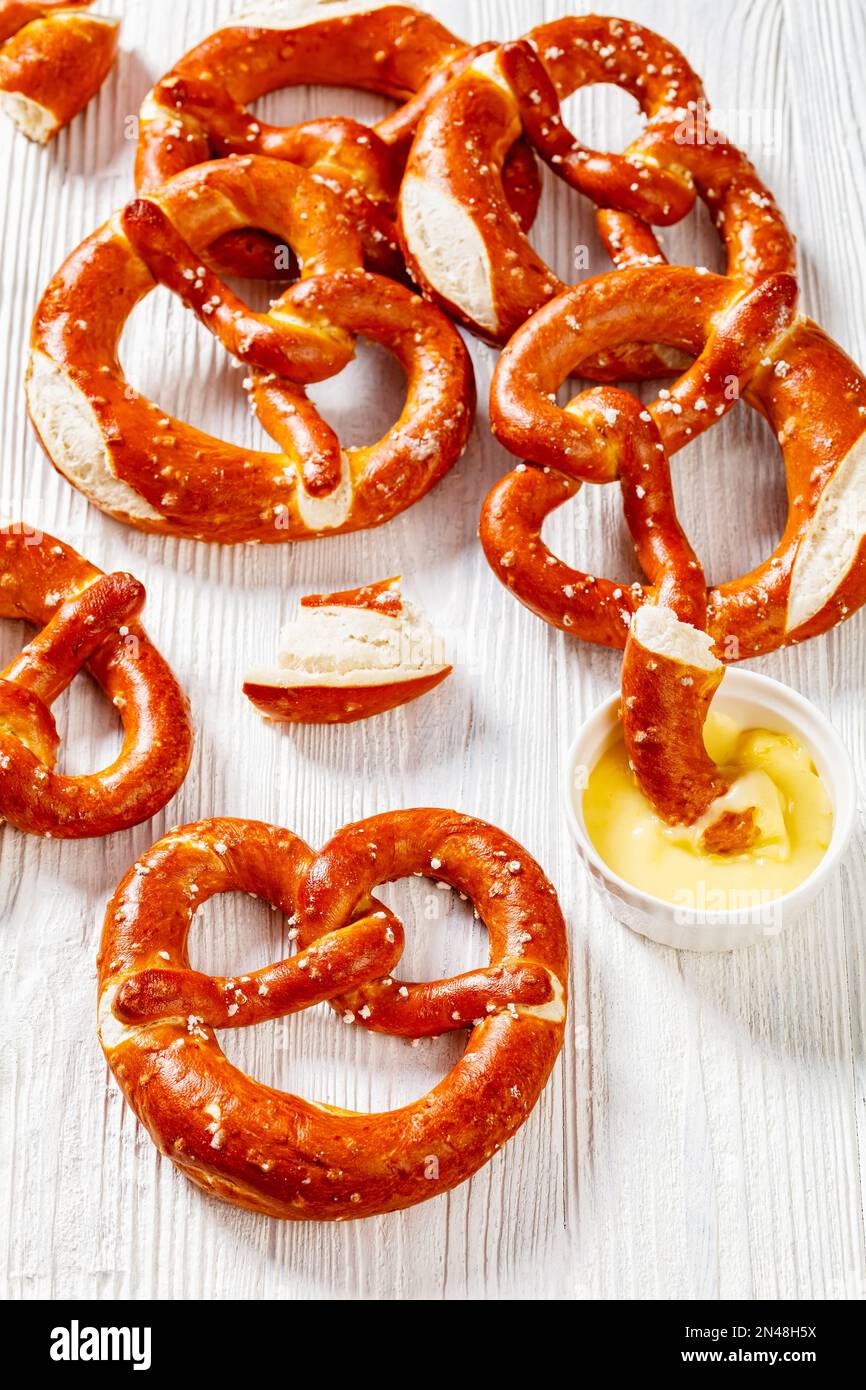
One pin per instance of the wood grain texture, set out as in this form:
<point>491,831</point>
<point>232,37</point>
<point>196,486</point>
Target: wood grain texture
<point>703,1134</point>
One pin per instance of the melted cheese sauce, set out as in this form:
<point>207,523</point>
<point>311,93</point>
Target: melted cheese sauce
<point>770,771</point>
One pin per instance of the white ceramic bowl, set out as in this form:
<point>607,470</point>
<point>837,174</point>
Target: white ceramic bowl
<point>754,702</point>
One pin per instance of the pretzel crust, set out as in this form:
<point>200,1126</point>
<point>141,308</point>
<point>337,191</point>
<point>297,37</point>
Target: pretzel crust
<point>161,475</point>
<point>345,705</point>
<point>86,618</point>
<point>275,1153</point>
<point>53,59</point>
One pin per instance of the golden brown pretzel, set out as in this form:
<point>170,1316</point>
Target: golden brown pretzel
<point>160,474</point>
<point>87,618</point>
<point>472,258</point>
<point>273,1152</point>
<point>676,156</point>
<point>199,111</point>
<point>750,342</point>
<point>460,243</point>
<point>53,59</point>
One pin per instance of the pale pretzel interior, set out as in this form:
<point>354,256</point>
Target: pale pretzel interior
<point>341,646</point>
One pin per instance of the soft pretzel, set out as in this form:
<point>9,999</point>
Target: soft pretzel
<point>471,257</point>
<point>745,342</point>
<point>199,111</point>
<point>275,1153</point>
<point>160,474</point>
<point>53,59</point>
<point>87,618</point>
<point>460,243</point>
<point>349,656</point>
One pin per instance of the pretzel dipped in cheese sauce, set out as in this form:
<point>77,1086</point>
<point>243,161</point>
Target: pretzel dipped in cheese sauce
<point>669,678</point>
<point>161,475</point>
<point>90,619</point>
<point>747,338</point>
<point>752,343</point>
<point>276,1153</point>
<point>768,773</point>
<point>53,59</point>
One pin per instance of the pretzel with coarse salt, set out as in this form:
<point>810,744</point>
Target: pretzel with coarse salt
<point>53,59</point>
<point>461,244</point>
<point>90,619</point>
<point>160,474</point>
<point>275,1153</point>
<point>349,656</point>
<point>490,277</point>
<point>745,342</point>
<point>199,110</point>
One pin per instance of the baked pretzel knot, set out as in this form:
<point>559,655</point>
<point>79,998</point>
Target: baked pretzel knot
<point>273,1152</point>
<point>472,257</point>
<point>461,243</point>
<point>158,473</point>
<point>745,342</point>
<point>199,111</point>
<point>87,618</point>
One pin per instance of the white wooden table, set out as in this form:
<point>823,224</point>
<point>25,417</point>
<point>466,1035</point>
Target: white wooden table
<point>702,1135</point>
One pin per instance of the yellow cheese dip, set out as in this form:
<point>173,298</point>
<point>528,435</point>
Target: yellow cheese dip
<point>770,771</point>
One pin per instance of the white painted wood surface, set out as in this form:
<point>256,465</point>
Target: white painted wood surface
<point>703,1133</point>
